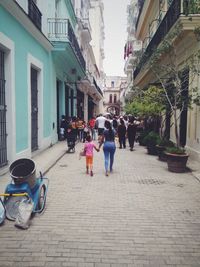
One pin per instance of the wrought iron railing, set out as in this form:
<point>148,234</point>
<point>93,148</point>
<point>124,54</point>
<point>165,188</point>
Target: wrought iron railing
<point>165,25</point>
<point>61,30</point>
<point>34,14</point>
<point>140,6</point>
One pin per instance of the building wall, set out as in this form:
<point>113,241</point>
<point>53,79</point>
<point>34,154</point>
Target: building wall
<point>113,86</point>
<point>22,52</point>
<point>97,23</point>
<point>186,46</point>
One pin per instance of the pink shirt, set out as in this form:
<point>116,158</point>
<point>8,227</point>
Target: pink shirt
<point>89,146</point>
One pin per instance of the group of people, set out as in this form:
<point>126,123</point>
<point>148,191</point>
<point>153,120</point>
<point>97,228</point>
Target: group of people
<point>109,129</point>
<point>76,128</point>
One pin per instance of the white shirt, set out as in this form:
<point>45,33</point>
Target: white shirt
<point>101,122</point>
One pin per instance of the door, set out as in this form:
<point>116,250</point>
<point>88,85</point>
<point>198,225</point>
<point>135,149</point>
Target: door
<point>66,101</point>
<point>58,105</point>
<point>72,103</point>
<point>34,109</point>
<point>184,94</point>
<point>3,134</point>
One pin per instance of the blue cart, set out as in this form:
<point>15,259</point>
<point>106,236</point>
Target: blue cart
<point>24,186</point>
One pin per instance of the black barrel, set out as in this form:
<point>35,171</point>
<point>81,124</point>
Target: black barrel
<point>23,170</point>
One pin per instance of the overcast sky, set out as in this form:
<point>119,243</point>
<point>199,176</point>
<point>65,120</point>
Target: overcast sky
<point>115,20</point>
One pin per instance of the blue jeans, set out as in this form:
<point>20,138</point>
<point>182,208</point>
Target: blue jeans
<point>109,151</point>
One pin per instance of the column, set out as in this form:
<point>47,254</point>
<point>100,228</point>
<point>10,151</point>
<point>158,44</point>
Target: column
<point>85,106</point>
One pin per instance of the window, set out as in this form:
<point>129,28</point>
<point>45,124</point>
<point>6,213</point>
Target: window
<point>115,98</point>
<point>112,84</point>
<point>110,98</point>
<point>57,8</point>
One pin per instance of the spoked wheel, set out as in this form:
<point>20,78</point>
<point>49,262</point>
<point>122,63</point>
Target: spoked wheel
<point>42,199</point>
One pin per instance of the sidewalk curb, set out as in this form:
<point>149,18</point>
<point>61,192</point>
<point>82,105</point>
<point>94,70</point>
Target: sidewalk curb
<point>53,163</point>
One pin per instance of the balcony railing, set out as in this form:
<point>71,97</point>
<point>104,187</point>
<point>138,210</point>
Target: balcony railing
<point>140,7</point>
<point>34,14</point>
<point>164,27</point>
<point>61,30</point>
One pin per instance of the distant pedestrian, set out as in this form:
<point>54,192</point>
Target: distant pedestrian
<point>88,149</point>
<point>86,131</point>
<point>115,123</point>
<point>121,131</point>
<point>100,122</point>
<point>80,127</point>
<point>108,139</point>
<point>131,132</point>
<point>92,127</point>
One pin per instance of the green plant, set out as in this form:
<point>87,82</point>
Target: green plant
<point>197,33</point>
<point>165,143</point>
<point>152,139</point>
<point>177,82</point>
<point>146,103</point>
<point>141,138</point>
<point>197,30</point>
<point>175,150</point>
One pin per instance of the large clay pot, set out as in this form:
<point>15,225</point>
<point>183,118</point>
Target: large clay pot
<point>176,162</point>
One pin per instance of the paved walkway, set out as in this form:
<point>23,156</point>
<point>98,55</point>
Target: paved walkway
<point>141,215</point>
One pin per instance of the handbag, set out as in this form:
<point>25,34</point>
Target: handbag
<point>82,154</point>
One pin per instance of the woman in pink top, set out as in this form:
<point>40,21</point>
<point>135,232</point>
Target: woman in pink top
<point>88,149</point>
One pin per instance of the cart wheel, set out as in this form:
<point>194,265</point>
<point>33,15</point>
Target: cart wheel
<point>42,198</point>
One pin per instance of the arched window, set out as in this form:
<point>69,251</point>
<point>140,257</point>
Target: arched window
<point>115,98</point>
<point>110,98</point>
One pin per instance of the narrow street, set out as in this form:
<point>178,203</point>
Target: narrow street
<point>141,215</point>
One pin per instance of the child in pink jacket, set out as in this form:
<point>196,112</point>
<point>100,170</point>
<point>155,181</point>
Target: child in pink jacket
<point>88,149</point>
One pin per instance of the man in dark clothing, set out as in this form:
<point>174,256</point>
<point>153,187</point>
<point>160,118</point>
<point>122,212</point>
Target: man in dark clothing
<point>121,131</point>
<point>131,132</point>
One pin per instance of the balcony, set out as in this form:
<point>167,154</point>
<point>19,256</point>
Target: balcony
<point>177,9</point>
<point>34,14</point>
<point>140,6</point>
<point>97,87</point>
<point>60,30</point>
<point>91,82</point>
<point>86,29</point>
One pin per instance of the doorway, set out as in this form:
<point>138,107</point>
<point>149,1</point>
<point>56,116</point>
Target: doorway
<point>34,109</point>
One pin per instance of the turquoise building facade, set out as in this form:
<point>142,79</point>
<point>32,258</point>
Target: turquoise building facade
<point>39,67</point>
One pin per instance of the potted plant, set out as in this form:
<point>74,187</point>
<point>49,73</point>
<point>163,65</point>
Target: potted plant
<point>141,137</point>
<point>161,147</point>
<point>176,159</point>
<point>175,81</point>
<point>151,141</point>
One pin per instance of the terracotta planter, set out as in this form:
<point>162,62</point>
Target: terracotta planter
<point>176,162</point>
<point>161,153</point>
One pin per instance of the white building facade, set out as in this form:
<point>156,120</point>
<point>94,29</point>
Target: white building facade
<point>132,46</point>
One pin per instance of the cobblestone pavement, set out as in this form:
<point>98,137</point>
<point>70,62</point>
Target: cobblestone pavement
<point>141,215</point>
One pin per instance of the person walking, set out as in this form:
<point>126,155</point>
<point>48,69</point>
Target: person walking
<point>122,134</point>
<point>109,148</point>
<point>80,127</point>
<point>88,149</point>
<point>100,122</point>
<point>131,132</point>
<point>92,127</point>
